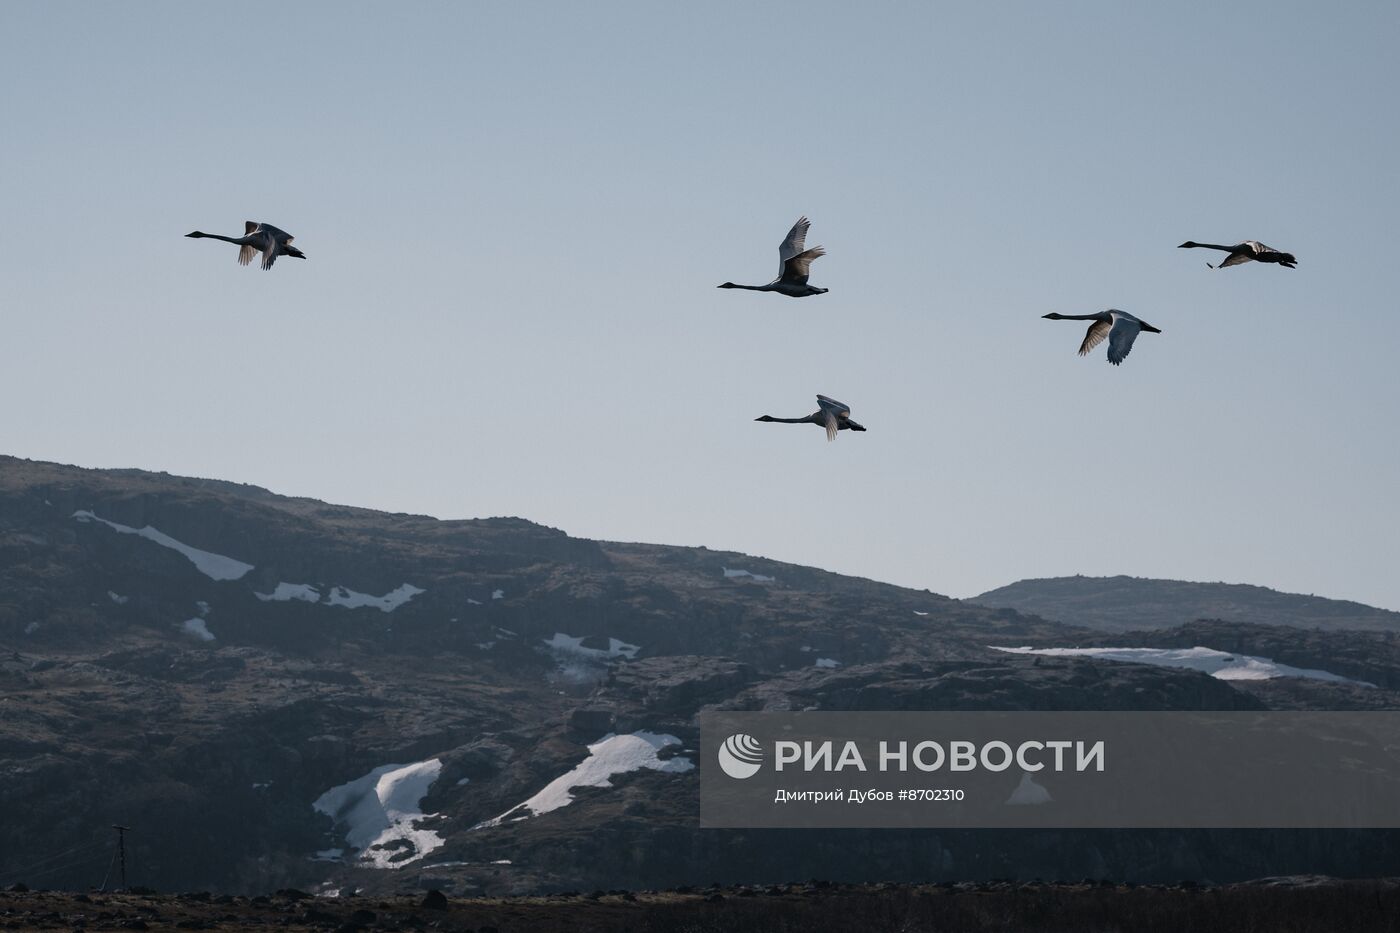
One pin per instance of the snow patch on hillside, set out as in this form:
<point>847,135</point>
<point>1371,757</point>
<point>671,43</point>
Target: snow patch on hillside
<point>828,662</point>
<point>197,628</point>
<point>380,813</point>
<point>1219,664</point>
<point>214,566</point>
<point>740,574</point>
<point>609,756</point>
<point>119,600</point>
<point>577,664</point>
<point>286,592</point>
<point>617,648</point>
<point>340,596</point>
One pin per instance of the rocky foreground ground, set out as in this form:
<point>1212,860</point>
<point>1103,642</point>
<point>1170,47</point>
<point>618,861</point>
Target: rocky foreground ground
<point>1279,905</point>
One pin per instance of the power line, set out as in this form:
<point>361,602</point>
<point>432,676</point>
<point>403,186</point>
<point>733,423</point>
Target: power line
<point>40,863</point>
<point>77,863</point>
<point>110,862</point>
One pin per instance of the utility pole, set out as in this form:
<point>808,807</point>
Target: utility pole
<point>121,849</point>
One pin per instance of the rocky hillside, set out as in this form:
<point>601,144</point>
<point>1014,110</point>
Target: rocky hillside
<point>278,692</point>
<point>1121,604</point>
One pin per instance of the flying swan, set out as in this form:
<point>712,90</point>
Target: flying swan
<point>794,264</point>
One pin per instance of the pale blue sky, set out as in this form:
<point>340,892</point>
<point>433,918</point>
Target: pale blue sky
<point>516,215</point>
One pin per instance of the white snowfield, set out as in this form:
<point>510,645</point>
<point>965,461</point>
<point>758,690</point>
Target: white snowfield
<point>198,628</point>
<point>1219,664</point>
<point>341,596</point>
<point>828,662</point>
<point>609,756</point>
<point>286,592</point>
<point>577,664</point>
<point>214,566</point>
<point>738,574</point>
<point>118,599</point>
<point>380,813</point>
<point>617,648</point>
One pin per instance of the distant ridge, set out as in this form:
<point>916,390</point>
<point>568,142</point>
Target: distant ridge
<point>1122,603</point>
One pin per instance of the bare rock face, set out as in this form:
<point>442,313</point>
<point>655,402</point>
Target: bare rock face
<point>592,721</point>
<point>203,661</point>
<point>664,686</point>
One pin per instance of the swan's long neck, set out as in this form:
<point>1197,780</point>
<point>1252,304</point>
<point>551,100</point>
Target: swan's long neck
<point>1190,245</point>
<point>806,420</point>
<point>227,239</point>
<point>752,288</point>
<point>1078,317</point>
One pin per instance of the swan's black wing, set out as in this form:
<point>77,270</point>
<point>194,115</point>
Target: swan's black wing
<point>1095,336</point>
<point>798,268</point>
<point>1120,340</point>
<point>833,413</point>
<point>1235,259</point>
<point>246,251</point>
<point>794,258</point>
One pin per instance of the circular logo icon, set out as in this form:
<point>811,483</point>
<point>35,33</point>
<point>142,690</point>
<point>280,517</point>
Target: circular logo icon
<point>741,756</point>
